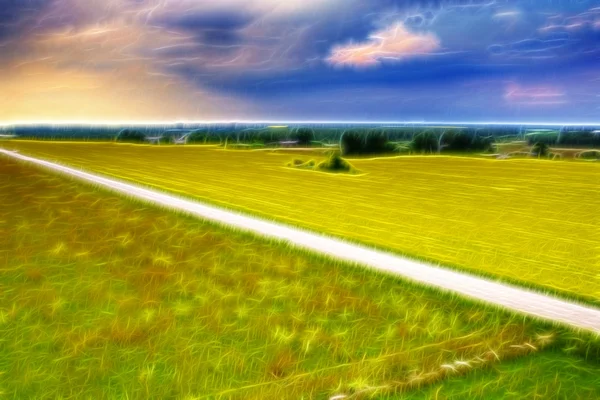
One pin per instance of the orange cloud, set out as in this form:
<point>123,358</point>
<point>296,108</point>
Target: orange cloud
<point>103,71</point>
<point>393,43</point>
<point>41,92</point>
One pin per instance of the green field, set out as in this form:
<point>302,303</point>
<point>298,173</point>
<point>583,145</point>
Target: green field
<point>534,222</point>
<point>104,297</point>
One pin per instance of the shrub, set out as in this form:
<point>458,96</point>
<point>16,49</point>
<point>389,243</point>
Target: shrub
<point>297,163</point>
<point>590,155</point>
<point>425,142</point>
<point>335,163</point>
<point>131,136</point>
<point>401,147</point>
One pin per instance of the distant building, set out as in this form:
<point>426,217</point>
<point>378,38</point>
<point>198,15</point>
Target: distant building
<point>288,143</point>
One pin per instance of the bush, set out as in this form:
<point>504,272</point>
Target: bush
<point>297,163</point>
<point>425,142</point>
<point>130,136</point>
<point>590,155</point>
<point>335,163</point>
<point>400,147</point>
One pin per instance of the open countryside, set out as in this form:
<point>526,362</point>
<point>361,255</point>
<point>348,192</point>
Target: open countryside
<point>138,301</point>
<point>299,200</point>
<point>526,220</point>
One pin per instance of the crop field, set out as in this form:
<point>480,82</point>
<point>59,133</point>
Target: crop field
<point>534,222</point>
<point>104,297</point>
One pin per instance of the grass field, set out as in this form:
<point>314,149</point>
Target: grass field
<point>529,221</point>
<point>548,375</point>
<point>103,297</point>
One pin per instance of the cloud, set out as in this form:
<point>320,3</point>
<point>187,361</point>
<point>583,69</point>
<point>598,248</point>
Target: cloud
<point>45,92</point>
<point>563,37</point>
<point>95,65</point>
<point>587,20</point>
<point>394,43</point>
<point>539,95</point>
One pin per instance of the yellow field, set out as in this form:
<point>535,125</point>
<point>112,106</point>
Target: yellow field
<point>532,221</point>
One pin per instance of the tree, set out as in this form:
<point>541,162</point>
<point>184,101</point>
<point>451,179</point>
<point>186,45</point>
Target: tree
<point>166,139</point>
<point>540,149</point>
<point>365,142</point>
<point>425,142</point>
<point>197,137</point>
<point>351,141</point>
<point>131,136</point>
<point>457,141</point>
<point>376,142</point>
<point>304,136</point>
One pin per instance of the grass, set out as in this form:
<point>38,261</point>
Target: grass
<point>105,297</point>
<point>546,375</point>
<point>533,222</point>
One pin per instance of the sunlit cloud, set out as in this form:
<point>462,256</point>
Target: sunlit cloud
<point>395,43</point>
<point>132,93</point>
<point>539,95</point>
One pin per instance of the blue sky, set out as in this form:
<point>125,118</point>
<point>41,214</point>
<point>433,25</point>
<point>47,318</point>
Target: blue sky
<point>478,60</point>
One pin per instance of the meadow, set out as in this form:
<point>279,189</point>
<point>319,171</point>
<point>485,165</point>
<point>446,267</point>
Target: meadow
<point>106,297</point>
<point>529,221</point>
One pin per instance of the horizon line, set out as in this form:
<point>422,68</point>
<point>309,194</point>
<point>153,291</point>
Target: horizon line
<point>295,122</point>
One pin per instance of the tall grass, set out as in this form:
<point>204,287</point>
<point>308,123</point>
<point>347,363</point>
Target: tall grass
<point>102,297</point>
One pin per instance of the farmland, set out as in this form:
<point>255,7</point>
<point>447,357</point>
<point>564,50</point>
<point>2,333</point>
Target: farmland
<point>528,221</point>
<point>104,297</point>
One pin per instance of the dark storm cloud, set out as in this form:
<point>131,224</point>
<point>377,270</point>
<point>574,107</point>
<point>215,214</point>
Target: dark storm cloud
<point>18,16</point>
<point>218,28</point>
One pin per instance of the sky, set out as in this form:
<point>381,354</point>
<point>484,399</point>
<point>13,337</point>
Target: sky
<point>300,60</point>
